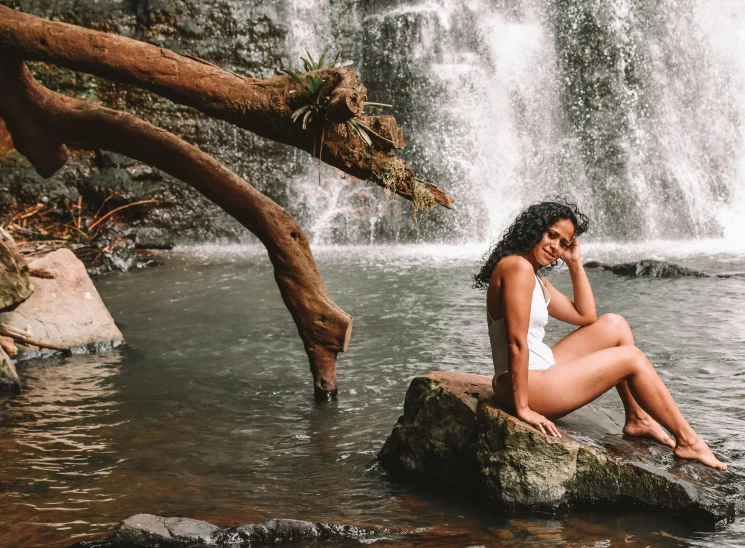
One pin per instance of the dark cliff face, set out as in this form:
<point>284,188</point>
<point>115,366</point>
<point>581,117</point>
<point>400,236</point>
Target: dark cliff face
<point>630,112</point>
<point>245,39</point>
<point>251,38</point>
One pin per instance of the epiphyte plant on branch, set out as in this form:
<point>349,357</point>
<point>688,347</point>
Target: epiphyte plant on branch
<point>312,85</point>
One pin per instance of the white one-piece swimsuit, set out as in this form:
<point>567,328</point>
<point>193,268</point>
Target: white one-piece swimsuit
<point>540,355</point>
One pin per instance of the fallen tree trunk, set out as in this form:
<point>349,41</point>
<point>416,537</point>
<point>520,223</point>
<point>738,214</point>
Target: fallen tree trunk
<point>15,285</point>
<point>263,107</point>
<point>43,123</point>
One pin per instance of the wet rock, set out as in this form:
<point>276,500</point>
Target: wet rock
<point>64,311</point>
<point>452,435</point>
<point>9,381</point>
<point>649,268</point>
<point>15,285</point>
<point>118,254</point>
<point>146,530</point>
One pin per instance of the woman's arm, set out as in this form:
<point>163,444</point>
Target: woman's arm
<point>518,283</point>
<point>581,311</point>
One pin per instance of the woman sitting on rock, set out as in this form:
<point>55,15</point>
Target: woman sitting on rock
<point>544,383</point>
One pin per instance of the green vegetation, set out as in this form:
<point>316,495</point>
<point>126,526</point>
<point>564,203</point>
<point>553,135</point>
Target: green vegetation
<point>422,197</point>
<point>394,171</point>
<point>311,86</point>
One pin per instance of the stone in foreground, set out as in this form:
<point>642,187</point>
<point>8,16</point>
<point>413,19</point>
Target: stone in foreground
<point>452,435</point>
<point>64,311</point>
<point>147,530</point>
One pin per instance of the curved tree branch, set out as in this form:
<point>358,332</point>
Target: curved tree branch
<point>263,107</point>
<point>41,122</point>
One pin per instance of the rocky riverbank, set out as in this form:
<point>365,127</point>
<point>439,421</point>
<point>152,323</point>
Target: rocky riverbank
<point>49,305</point>
<point>453,436</point>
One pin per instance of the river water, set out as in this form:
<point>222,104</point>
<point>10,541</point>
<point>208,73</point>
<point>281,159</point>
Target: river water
<point>208,410</point>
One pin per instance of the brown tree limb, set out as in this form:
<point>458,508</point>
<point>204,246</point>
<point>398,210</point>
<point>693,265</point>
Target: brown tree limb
<point>6,142</point>
<point>263,107</point>
<point>347,98</point>
<point>30,110</point>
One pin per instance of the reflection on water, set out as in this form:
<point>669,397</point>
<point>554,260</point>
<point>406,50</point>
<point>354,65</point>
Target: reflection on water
<point>56,445</point>
<point>208,412</point>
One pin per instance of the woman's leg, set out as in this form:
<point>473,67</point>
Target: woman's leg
<point>569,385</point>
<point>609,331</point>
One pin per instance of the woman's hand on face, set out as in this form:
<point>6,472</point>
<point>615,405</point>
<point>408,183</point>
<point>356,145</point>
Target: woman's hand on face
<point>539,422</point>
<point>571,253</point>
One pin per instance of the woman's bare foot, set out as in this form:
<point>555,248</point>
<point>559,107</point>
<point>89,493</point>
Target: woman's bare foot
<point>645,426</point>
<point>698,450</point>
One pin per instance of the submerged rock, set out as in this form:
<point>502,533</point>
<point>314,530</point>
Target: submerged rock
<point>9,381</point>
<point>64,311</point>
<point>15,285</point>
<point>452,435</point>
<point>147,530</point>
<point>650,268</point>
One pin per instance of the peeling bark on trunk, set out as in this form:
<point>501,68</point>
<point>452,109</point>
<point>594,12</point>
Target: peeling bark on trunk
<point>15,284</point>
<point>42,122</point>
<point>263,107</point>
<point>6,143</point>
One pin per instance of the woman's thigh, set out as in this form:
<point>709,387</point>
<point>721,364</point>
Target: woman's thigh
<point>569,385</point>
<point>610,330</point>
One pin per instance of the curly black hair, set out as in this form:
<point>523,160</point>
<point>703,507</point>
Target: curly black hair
<point>526,232</point>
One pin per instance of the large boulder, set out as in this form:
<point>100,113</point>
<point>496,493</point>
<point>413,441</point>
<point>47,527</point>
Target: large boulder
<point>453,435</point>
<point>9,381</point>
<point>15,285</point>
<point>149,531</point>
<point>65,309</point>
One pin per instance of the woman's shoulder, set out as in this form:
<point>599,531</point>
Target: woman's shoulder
<point>512,266</point>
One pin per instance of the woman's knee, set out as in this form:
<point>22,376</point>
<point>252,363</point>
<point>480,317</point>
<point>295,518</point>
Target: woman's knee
<point>634,361</point>
<point>618,325</point>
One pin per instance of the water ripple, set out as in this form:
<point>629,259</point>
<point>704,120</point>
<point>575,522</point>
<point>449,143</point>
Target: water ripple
<point>208,412</point>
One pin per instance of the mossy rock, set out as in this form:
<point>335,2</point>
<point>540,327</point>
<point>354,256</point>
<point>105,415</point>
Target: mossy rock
<point>453,435</point>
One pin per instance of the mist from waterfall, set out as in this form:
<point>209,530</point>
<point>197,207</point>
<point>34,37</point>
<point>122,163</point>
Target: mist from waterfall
<point>633,109</point>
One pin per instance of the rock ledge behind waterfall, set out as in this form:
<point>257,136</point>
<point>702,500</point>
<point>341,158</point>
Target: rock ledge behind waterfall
<point>452,435</point>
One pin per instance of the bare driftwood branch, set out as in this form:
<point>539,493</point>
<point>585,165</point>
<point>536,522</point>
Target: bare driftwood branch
<point>23,338</point>
<point>263,107</point>
<point>43,123</point>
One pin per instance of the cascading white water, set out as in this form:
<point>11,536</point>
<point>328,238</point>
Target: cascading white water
<point>631,108</point>
<point>723,23</point>
<point>321,195</point>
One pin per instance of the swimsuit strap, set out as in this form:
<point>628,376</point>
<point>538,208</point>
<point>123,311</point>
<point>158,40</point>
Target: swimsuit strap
<point>545,291</point>
<point>543,287</point>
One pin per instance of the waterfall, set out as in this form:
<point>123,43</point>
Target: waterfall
<point>631,108</point>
